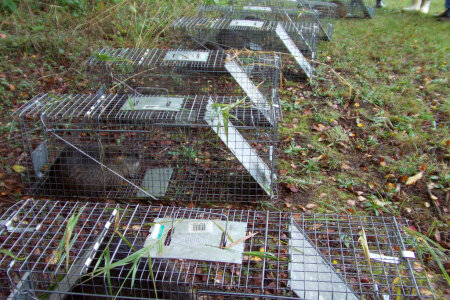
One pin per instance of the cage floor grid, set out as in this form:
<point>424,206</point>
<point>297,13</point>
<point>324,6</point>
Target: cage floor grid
<point>285,256</point>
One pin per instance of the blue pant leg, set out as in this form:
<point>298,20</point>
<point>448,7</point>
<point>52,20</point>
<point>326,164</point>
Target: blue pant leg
<point>447,3</point>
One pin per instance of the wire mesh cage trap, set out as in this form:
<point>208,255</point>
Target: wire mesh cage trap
<point>142,252</point>
<point>190,72</point>
<point>308,18</point>
<point>324,8</point>
<point>348,8</point>
<point>294,42</point>
<point>149,146</point>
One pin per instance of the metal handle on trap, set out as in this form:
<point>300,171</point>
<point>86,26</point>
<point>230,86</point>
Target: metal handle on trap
<point>225,233</point>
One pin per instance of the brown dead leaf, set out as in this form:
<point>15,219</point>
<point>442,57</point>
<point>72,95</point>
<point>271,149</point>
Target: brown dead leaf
<point>293,188</point>
<point>413,179</point>
<point>283,172</point>
<point>12,87</point>
<point>382,162</point>
<point>319,127</point>
<point>362,198</point>
<point>345,166</point>
<point>437,235</point>
<point>311,205</point>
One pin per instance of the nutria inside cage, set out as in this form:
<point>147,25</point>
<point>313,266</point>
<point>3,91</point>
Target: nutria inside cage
<point>296,41</point>
<point>188,148</point>
<point>141,252</point>
<point>187,71</point>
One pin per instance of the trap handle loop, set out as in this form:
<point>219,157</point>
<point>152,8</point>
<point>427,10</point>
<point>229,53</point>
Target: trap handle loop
<point>225,233</point>
<point>46,129</point>
<point>139,89</point>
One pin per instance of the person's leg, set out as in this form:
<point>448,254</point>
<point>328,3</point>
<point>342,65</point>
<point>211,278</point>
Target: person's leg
<point>425,7</point>
<point>415,5</point>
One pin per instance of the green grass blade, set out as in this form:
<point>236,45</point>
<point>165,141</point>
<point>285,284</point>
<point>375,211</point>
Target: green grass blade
<point>8,253</point>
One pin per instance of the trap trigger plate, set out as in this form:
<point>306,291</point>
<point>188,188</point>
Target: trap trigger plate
<point>197,239</point>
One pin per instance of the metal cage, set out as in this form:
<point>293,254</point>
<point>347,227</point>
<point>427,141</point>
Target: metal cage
<point>190,72</point>
<point>142,252</point>
<point>270,13</point>
<point>325,8</point>
<point>149,146</point>
<point>294,42</point>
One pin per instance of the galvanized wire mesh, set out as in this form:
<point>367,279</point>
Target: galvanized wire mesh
<point>190,148</point>
<point>295,42</point>
<point>267,13</point>
<point>325,8</point>
<point>301,256</point>
<point>189,72</point>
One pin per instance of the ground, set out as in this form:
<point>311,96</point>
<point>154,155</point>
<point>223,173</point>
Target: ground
<point>368,136</point>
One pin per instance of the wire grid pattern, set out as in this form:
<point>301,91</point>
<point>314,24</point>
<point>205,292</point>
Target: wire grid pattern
<point>335,237</point>
<point>325,9</point>
<point>353,8</point>
<point>288,39</point>
<point>170,70</point>
<point>87,145</point>
<point>303,16</point>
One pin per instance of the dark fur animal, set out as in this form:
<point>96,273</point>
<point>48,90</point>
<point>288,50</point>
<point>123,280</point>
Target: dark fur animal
<point>78,174</point>
<point>341,9</point>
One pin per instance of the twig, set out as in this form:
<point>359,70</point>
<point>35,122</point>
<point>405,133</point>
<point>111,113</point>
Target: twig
<point>241,240</point>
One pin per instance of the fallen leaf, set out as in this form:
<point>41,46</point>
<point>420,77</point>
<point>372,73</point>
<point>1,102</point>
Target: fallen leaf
<point>12,88</point>
<point>319,127</point>
<point>345,166</point>
<point>360,125</point>
<point>322,195</point>
<point>294,166</point>
<point>311,205</point>
<point>18,168</point>
<point>2,35</point>
<point>320,157</point>
<point>437,235</point>
<point>382,162</point>
<point>361,198</point>
<point>413,179</point>
<point>427,204</point>
<point>293,188</point>
<point>390,185</point>
<point>351,202</point>
<point>283,172</point>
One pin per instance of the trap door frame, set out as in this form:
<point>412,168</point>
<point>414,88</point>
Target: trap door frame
<point>307,284</point>
<point>241,149</point>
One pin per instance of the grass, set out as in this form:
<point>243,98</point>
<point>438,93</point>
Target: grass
<point>339,152</point>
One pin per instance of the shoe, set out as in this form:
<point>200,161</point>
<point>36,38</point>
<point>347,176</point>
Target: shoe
<point>380,4</point>
<point>414,7</point>
<point>425,7</point>
<point>445,16</point>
